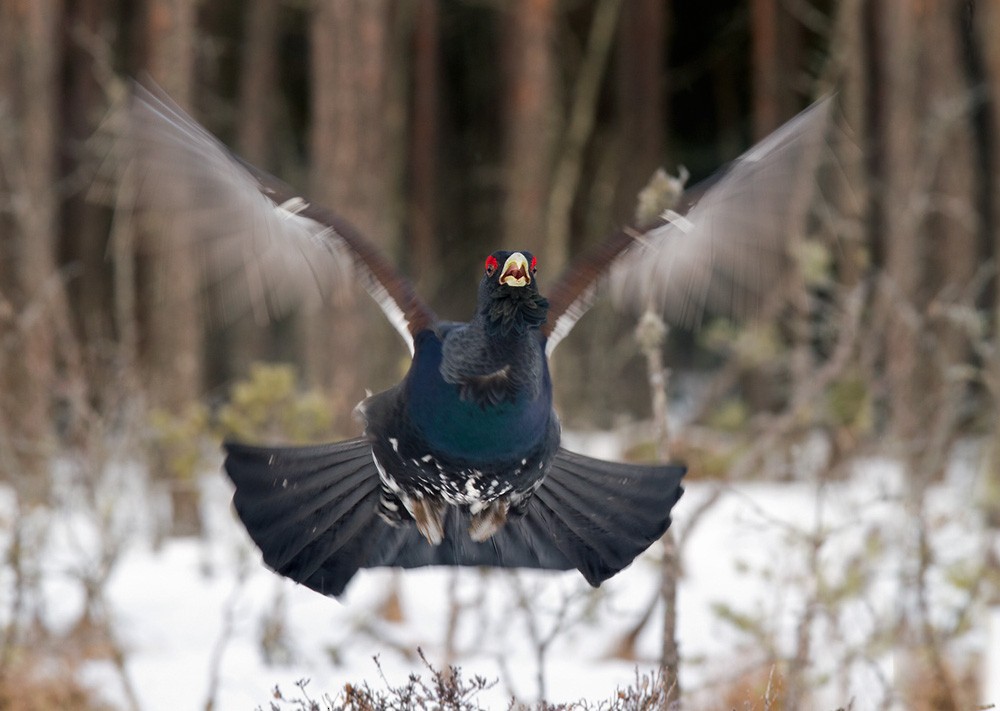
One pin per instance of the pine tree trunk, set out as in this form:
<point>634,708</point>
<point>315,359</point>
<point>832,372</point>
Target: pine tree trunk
<point>174,335</point>
<point>642,97</point>
<point>987,23</point>
<point>953,221</point>
<point>529,124</point>
<point>84,223</point>
<point>354,170</point>
<point>424,145</point>
<point>776,61</point>
<point>902,234</point>
<point>32,285</point>
<point>259,106</point>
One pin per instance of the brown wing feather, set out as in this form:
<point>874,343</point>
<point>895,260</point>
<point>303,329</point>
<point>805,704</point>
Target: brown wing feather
<point>725,252</point>
<point>379,277</point>
<point>255,234</point>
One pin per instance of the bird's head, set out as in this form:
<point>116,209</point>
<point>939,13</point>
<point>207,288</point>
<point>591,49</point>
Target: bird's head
<point>508,294</point>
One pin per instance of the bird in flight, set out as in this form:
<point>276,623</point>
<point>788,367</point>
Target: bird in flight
<point>460,464</point>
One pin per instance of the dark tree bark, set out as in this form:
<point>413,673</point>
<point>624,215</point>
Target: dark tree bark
<point>850,191</point>
<point>174,333</point>
<point>85,224</point>
<point>902,236</point>
<point>258,83</point>
<point>354,171</point>
<point>245,340</point>
<point>766,66</point>
<point>424,145</point>
<point>642,84</point>
<point>171,293</point>
<point>530,121</point>
<point>952,217</point>
<point>987,25</point>
<point>32,301</point>
<point>776,41</point>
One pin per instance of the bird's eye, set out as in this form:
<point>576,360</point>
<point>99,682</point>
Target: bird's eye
<point>534,264</point>
<point>491,265</point>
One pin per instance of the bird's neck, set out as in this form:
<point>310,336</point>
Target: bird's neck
<point>512,314</point>
<point>491,348</point>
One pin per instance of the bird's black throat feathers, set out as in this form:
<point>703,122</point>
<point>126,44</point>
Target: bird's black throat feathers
<point>511,311</point>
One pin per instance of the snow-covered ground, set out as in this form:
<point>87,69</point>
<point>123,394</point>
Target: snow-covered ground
<point>191,614</point>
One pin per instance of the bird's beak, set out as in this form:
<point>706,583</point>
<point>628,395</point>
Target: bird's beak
<point>515,271</point>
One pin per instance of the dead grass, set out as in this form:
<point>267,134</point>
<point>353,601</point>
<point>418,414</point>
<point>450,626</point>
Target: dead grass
<point>37,683</point>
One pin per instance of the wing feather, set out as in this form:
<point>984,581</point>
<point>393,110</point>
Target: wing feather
<point>723,248</point>
<point>261,244</point>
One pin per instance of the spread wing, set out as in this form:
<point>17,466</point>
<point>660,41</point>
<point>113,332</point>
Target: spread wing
<point>268,247</point>
<point>720,249</point>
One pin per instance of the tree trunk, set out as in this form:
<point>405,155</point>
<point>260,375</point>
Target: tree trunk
<point>174,333</point>
<point>953,221</point>
<point>988,24</point>
<point>28,155</point>
<point>531,117</point>
<point>84,224</point>
<point>851,189</point>
<point>902,234</point>
<point>424,146</point>
<point>174,336</point>
<point>642,95</point>
<point>259,105</point>
<point>258,83</point>
<point>354,171</point>
<point>776,64</point>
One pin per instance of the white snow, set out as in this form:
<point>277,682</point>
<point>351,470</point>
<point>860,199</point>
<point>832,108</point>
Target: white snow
<point>189,606</point>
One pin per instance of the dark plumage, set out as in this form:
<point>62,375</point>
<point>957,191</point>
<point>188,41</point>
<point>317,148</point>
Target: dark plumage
<point>460,463</point>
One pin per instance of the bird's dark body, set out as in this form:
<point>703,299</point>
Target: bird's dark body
<point>460,463</point>
<point>466,445</point>
<point>480,422</point>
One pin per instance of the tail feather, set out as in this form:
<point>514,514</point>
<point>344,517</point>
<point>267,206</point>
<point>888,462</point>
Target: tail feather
<point>333,503</point>
<point>574,521</point>
<point>313,513</point>
<point>304,505</point>
<point>603,514</point>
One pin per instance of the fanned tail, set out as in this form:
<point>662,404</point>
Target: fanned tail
<point>310,510</point>
<point>313,512</point>
<point>601,515</point>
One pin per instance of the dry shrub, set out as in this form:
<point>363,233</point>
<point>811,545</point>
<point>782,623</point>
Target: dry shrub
<point>947,688</point>
<point>757,690</point>
<point>34,683</point>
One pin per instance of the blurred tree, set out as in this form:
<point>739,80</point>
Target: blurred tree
<point>531,119</point>
<point>172,350</point>
<point>903,246</point>
<point>355,130</point>
<point>84,224</point>
<point>988,25</point>
<point>423,153</point>
<point>925,224</point>
<point>256,123</point>
<point>642,83</point>
<point>174,332</point>
<point>776,42</point>
<point>32,299</point>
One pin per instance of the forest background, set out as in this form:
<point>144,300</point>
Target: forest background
<point>446,129</point>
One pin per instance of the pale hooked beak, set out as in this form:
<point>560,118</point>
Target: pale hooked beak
<point>516,271</point>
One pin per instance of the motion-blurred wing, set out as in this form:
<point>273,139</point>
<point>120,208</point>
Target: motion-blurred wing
<point>724,247</point>
<point>257,239</point>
